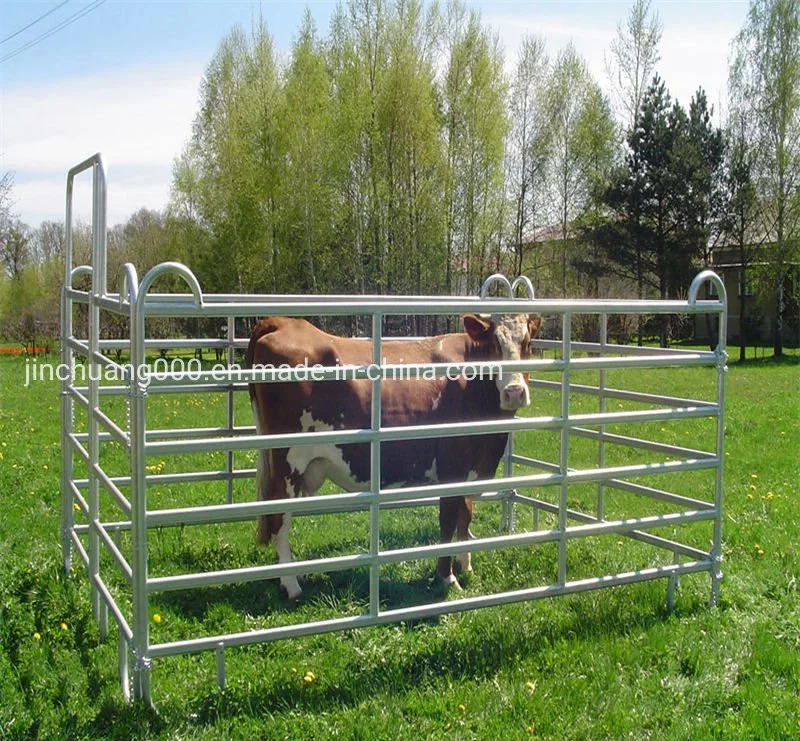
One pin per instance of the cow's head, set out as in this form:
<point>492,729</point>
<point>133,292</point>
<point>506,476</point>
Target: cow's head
<point>506,337</point>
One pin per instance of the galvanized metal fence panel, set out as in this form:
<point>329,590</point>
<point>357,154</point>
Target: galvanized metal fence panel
<point>133,515</point>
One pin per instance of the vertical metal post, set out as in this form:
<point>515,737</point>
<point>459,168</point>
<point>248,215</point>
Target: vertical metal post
<point>375,465</point>
<point>564,448</point>
<point>722,368</point>
<point>230,354</point>
<point>138,395</point>
<point>601,443</point>
<point>67,416</point>
<point>122,663</point>
<point>672,583</point>
<point>99,608</point>
<point>220,656</point>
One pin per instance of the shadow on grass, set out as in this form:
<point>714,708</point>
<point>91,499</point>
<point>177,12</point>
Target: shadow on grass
<point>786,360</point>
<point>478,648</point>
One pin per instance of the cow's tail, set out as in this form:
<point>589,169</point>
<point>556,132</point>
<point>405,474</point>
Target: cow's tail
<point>263,473</point>
<point>265,326</point>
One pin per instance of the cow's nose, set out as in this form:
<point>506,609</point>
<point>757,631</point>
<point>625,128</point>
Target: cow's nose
<point>514,396</point>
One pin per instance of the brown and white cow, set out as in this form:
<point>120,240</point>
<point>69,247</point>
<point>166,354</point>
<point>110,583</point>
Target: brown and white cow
<point>303,406</point>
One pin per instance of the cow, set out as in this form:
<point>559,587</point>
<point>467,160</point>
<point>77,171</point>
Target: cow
<point>308,405</point>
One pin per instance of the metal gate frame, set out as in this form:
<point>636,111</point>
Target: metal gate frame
<point>135,301</point>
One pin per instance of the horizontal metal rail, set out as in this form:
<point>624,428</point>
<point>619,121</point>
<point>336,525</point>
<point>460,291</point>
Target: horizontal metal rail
<point>115,552</point>
<point>424,611</point>
<point>635,534</point>
<point>621,394</point>
<point>418,432</point>
<point>184,305</point>
<point>108,598</point>
<point>336,502</point>
<point>383,558</point>
<point>647,491</point>
<point>635,442</point>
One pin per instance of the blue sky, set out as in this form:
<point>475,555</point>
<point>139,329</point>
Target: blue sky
<point>124,78</point>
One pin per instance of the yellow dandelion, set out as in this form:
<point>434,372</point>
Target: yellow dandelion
<point>37,637</point>
<point>770,495</point>
<point>45,467</point>
<point>753,475</point>
<point>759,550</point>
<point>462,708</point>
<point>156,618</point>
<point>529,729</point>
<point>750,497</point>
<point>752,487</point>
<point>309,677</point>
<point>63,626</point>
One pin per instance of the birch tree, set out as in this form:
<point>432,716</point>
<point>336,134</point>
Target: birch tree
<point>765,76</point>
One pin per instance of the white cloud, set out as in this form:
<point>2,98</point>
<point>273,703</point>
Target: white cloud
<point>693,53</point>
<point>139,118</point>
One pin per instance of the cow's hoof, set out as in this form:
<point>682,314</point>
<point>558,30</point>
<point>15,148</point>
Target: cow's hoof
<point>291,591</point>
<point>463,563</point>
<point>449,582</point>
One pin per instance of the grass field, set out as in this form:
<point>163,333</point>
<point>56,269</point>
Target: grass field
<point>607,664</point>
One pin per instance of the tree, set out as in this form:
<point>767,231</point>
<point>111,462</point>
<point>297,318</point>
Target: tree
<point>231,170</point>
<point>650,238</point>
<point>15,248</point>
<point>701,159</point>
<point>597,135</point>
<point>475,126</point>
<point>765,76</point>
<point>305,189</point>
<point>411,163</point>
<point>634,56</point>
<point>580,131</point>
<point>740,215</point>
<point>527,150</point>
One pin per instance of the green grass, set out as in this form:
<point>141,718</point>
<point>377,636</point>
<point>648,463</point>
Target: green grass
<point>607,664</point>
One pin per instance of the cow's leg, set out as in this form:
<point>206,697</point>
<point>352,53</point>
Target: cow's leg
<point>464,560</point>
<point>275,480</point>
<point>448,520</point>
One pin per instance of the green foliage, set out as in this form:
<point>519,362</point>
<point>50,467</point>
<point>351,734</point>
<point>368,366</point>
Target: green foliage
<point>665,201</point>
<point>765,92</point>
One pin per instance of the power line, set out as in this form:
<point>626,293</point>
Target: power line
<point>47,34</point>
<point>34,22</point>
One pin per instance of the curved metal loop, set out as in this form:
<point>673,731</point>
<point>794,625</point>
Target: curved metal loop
<point>79,270</point>
<point>130,284</point>
<point>699,279</point>
<point>167,268</point>
<point>525,282</point>
<point>496,278</point>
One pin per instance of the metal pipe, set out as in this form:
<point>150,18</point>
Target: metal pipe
<point>623,395</point>
<point>177,306</point>
<point>601,408</point>
<point>423,611</point>
<point>563,465</point>
<point>375,468</point>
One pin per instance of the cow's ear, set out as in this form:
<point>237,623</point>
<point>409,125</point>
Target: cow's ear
<point>479,330</point>
<point>534,323</point>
